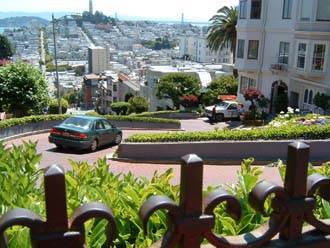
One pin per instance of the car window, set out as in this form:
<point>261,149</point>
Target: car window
<point>223,104</point>
<point>232,106</point>
<point>99,125</point>
<point>77,122</point>
<point>106,124</point>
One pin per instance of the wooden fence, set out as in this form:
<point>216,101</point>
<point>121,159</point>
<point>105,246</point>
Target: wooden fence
<point>193,219</point>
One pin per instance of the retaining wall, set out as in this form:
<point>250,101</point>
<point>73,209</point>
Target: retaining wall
<point>220,152</point>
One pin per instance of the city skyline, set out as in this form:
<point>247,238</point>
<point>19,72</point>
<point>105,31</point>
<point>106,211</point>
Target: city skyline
<point>144,9</point>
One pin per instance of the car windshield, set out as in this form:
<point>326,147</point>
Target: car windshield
<point>223,104</point>
<point>77,123</point>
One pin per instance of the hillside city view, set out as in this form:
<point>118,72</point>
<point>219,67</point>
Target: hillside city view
<point>217,112</point>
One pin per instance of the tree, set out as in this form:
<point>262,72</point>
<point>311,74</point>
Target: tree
<point>176,85</point>
<point>222,31</point>
<point>120,108</point>
<point>6,49</point>
<point>225,85</point>
<point>23,89</point>
<point>128,96</point>
<point>138,104</point>
<point>322,101</point>
<point>53,106</point>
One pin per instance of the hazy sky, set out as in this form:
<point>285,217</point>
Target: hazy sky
<point>193,9</point>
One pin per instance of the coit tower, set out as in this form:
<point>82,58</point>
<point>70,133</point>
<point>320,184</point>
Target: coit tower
<point>91,7</point>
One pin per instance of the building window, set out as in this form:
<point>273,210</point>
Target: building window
<point>242,9</point>
<point>114,99</point>
<point>306,96</point>
<point>323,10</point>
<point>310,97</point>
<point>114,88</point>
<point>318,57</point>
<point>240,49</point>
<point>306,10</point>
<point>246,83</point>
<point>301,55</point>
<point>283,57</point>
<point>287,8</point>
<point>255,9</point>
<point>253,49</point>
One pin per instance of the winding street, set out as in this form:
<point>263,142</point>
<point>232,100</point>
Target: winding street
<point>213,174</point>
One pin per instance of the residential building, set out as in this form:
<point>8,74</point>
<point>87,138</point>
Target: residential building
<point>195,48</point>
<point>100,91</point>
<point>98,59</point>
<point>283,48</point>
<point>205,73</point>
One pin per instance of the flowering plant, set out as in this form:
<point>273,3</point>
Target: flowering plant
<point>189,101</point>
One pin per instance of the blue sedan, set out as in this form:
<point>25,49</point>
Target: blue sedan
<point>85,132</point>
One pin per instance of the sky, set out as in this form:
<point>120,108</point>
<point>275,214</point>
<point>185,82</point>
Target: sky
<point>201,10</point>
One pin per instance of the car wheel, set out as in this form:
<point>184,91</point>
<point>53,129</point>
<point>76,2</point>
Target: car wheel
<point>59,147</point>
<point>220,117</point>
<point>118,138</point>
<point>94,145</point>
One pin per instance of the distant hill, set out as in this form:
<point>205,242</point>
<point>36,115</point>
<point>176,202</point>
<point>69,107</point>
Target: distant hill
<point>22,21</point>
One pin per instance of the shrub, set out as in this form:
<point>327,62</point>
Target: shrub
<point>138,104</point>
<point>53,106</point>
<point>189,101</point>
<point>120,108</point>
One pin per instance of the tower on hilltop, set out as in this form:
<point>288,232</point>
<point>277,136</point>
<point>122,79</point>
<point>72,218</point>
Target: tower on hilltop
<point>91,7</point>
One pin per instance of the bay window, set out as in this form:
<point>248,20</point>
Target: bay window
<point>301,59</point>
<point>318,57</point>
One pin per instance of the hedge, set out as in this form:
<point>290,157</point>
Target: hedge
<point>36,118</point>
<point>272,133</point>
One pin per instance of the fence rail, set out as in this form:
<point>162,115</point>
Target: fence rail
<point>193,218</point>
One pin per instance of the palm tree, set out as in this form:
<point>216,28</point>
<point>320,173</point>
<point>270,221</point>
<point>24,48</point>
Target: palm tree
<point>222,31</point>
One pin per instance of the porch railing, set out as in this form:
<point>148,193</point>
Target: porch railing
<point>193,219</point>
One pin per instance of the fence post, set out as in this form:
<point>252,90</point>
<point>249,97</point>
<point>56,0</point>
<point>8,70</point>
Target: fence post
<point>295,188</point>
<point>191,199</point>
<point>56,232</point>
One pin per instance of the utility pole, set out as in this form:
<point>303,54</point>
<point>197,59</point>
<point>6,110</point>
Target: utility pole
<point>56,69</point>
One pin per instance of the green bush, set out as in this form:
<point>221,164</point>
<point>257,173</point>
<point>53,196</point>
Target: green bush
<point>53,106</point>
<point>294,132</point>
<point>138,104</point>
<point>134,118</point>
<point>31,119</point>
<point>120,108</point>
<point>123,193</point>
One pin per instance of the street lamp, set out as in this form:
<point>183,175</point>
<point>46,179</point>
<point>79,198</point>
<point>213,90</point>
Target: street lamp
<point>56,69</point>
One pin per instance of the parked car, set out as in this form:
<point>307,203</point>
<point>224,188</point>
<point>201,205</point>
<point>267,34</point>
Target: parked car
<point>222,110</point>
<point>85,132</point>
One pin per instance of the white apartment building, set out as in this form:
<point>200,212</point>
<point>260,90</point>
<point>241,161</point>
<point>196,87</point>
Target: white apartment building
<point>195,47</point>
<point>98,59</point>
<point>283,47</point>
<point>154,73</point>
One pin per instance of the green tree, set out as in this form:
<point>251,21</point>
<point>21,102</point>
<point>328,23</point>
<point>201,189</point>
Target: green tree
<point>177,85</point>
<point>120,108</point>
<point>23,89</point>
<point>128,96</point>
<point>225,85</point>
<point>138,104</point>
<point>322,101</point>
<point>222,31</point>
<point>53,106</point>
<point>6,49</point>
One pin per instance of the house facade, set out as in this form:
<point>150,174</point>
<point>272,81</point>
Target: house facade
<point>283,48</point>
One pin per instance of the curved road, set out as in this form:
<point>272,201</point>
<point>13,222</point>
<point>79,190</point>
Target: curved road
<point>213,174</point>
